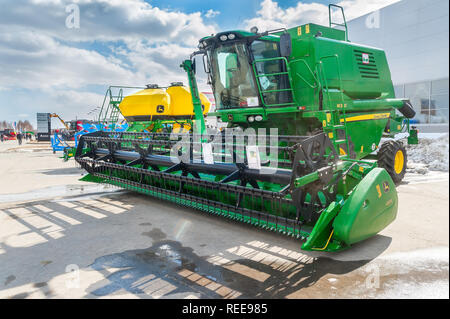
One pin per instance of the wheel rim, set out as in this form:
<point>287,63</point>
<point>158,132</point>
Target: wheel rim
<point>398,163</point>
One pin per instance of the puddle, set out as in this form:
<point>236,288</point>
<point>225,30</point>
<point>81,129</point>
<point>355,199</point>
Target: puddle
<point>27,150</point>
<point>136,271</point>
<point>67,171</point>
<point>22,295</point>
<point>9,279</point>
<point>57,191</point>
<point>155,234</point>
<point>39,284</point>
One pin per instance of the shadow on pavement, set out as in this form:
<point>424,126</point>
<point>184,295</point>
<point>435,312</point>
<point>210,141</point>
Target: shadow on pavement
<point>32,232</point>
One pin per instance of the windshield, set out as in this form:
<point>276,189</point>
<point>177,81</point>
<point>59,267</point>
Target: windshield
<point>233,81</point>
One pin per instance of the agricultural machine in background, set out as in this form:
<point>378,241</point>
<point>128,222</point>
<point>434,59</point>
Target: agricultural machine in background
<point>323,103</point>
<point>8,134</point>
<point>61,137</point>
<point>152,109</point>
<point>87,128</point>
<point>158,109</point>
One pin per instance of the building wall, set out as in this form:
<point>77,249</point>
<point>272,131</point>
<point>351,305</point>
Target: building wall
<point>415,36</point>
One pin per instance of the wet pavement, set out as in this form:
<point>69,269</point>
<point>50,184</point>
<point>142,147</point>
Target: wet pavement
<point>127,245</point>
<point>79,240</point>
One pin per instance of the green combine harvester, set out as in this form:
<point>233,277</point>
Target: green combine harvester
<point>320,106</point>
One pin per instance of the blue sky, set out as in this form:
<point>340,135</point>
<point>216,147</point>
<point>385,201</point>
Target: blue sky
<point>232,12</point>
<point>46,66</point>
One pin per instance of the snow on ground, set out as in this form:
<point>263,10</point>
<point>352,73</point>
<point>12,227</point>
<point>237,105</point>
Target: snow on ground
<point>430,154</point>
<point>427,269</point>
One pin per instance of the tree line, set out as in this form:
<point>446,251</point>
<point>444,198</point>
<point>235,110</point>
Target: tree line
<point>23,126</point>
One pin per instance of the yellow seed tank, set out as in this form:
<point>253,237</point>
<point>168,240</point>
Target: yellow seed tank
<point>174,102</point>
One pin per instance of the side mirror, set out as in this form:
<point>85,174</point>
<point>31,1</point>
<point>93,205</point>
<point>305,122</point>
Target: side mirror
<point>194,67</point>
<point>285,45</point>
<point>206,64</point>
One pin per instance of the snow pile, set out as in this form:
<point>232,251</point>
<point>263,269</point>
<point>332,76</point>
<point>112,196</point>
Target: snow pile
<point>430,154</point>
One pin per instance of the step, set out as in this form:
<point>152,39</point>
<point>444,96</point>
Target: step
<point>334,127</point>
<point>341,141</point>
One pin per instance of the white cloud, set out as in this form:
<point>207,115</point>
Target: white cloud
<point>104,20</point>
<point>272,16</point>
<point>211,13</point>
<point>73,104</point>
<point>38,51</point>
<point>45,68</point>
<point>30,60</point>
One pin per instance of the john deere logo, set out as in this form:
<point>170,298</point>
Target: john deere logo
<point>160,109</point>
<point>386,187</point>
<point>365,58</point>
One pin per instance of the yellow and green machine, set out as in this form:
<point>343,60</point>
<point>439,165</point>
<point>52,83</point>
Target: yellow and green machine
<point>323,102</point>
<point>161,109</point>
<point>150,109</point>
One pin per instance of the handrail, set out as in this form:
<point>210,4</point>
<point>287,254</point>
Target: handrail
<point>334,138</point>
<point>288,73</point>
<point>338,24</point>
<point>334,56</point>
<point>109,112</point>
<point>302,78</point>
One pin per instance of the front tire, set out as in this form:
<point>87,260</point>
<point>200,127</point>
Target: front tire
<point>392,157</point>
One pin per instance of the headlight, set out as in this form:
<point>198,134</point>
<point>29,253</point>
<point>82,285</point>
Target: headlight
<point>205,44</point>
<point>223,37</point>
<point>231,36</point>
<point>258,118</point>
<point>251,119</point>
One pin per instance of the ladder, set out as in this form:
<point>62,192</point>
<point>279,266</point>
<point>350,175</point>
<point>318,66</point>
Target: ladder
<point>262,75</point>
<point>109,112</point>
<point>330,19</point>
<point>336,119</point>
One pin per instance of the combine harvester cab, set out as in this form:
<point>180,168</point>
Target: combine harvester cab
<point>315,170</point>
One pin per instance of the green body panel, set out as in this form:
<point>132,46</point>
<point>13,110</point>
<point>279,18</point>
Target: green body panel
<point>413,138</point>
<point>329,74</point>
<point>368,210</point>
<point>320,238</point>
<point>364,134</point>
<point>329,60</point>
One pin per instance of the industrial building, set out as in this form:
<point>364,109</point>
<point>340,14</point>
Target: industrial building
<point>415,36</point>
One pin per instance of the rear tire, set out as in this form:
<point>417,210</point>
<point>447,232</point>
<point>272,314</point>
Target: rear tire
<point>392,157</point>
